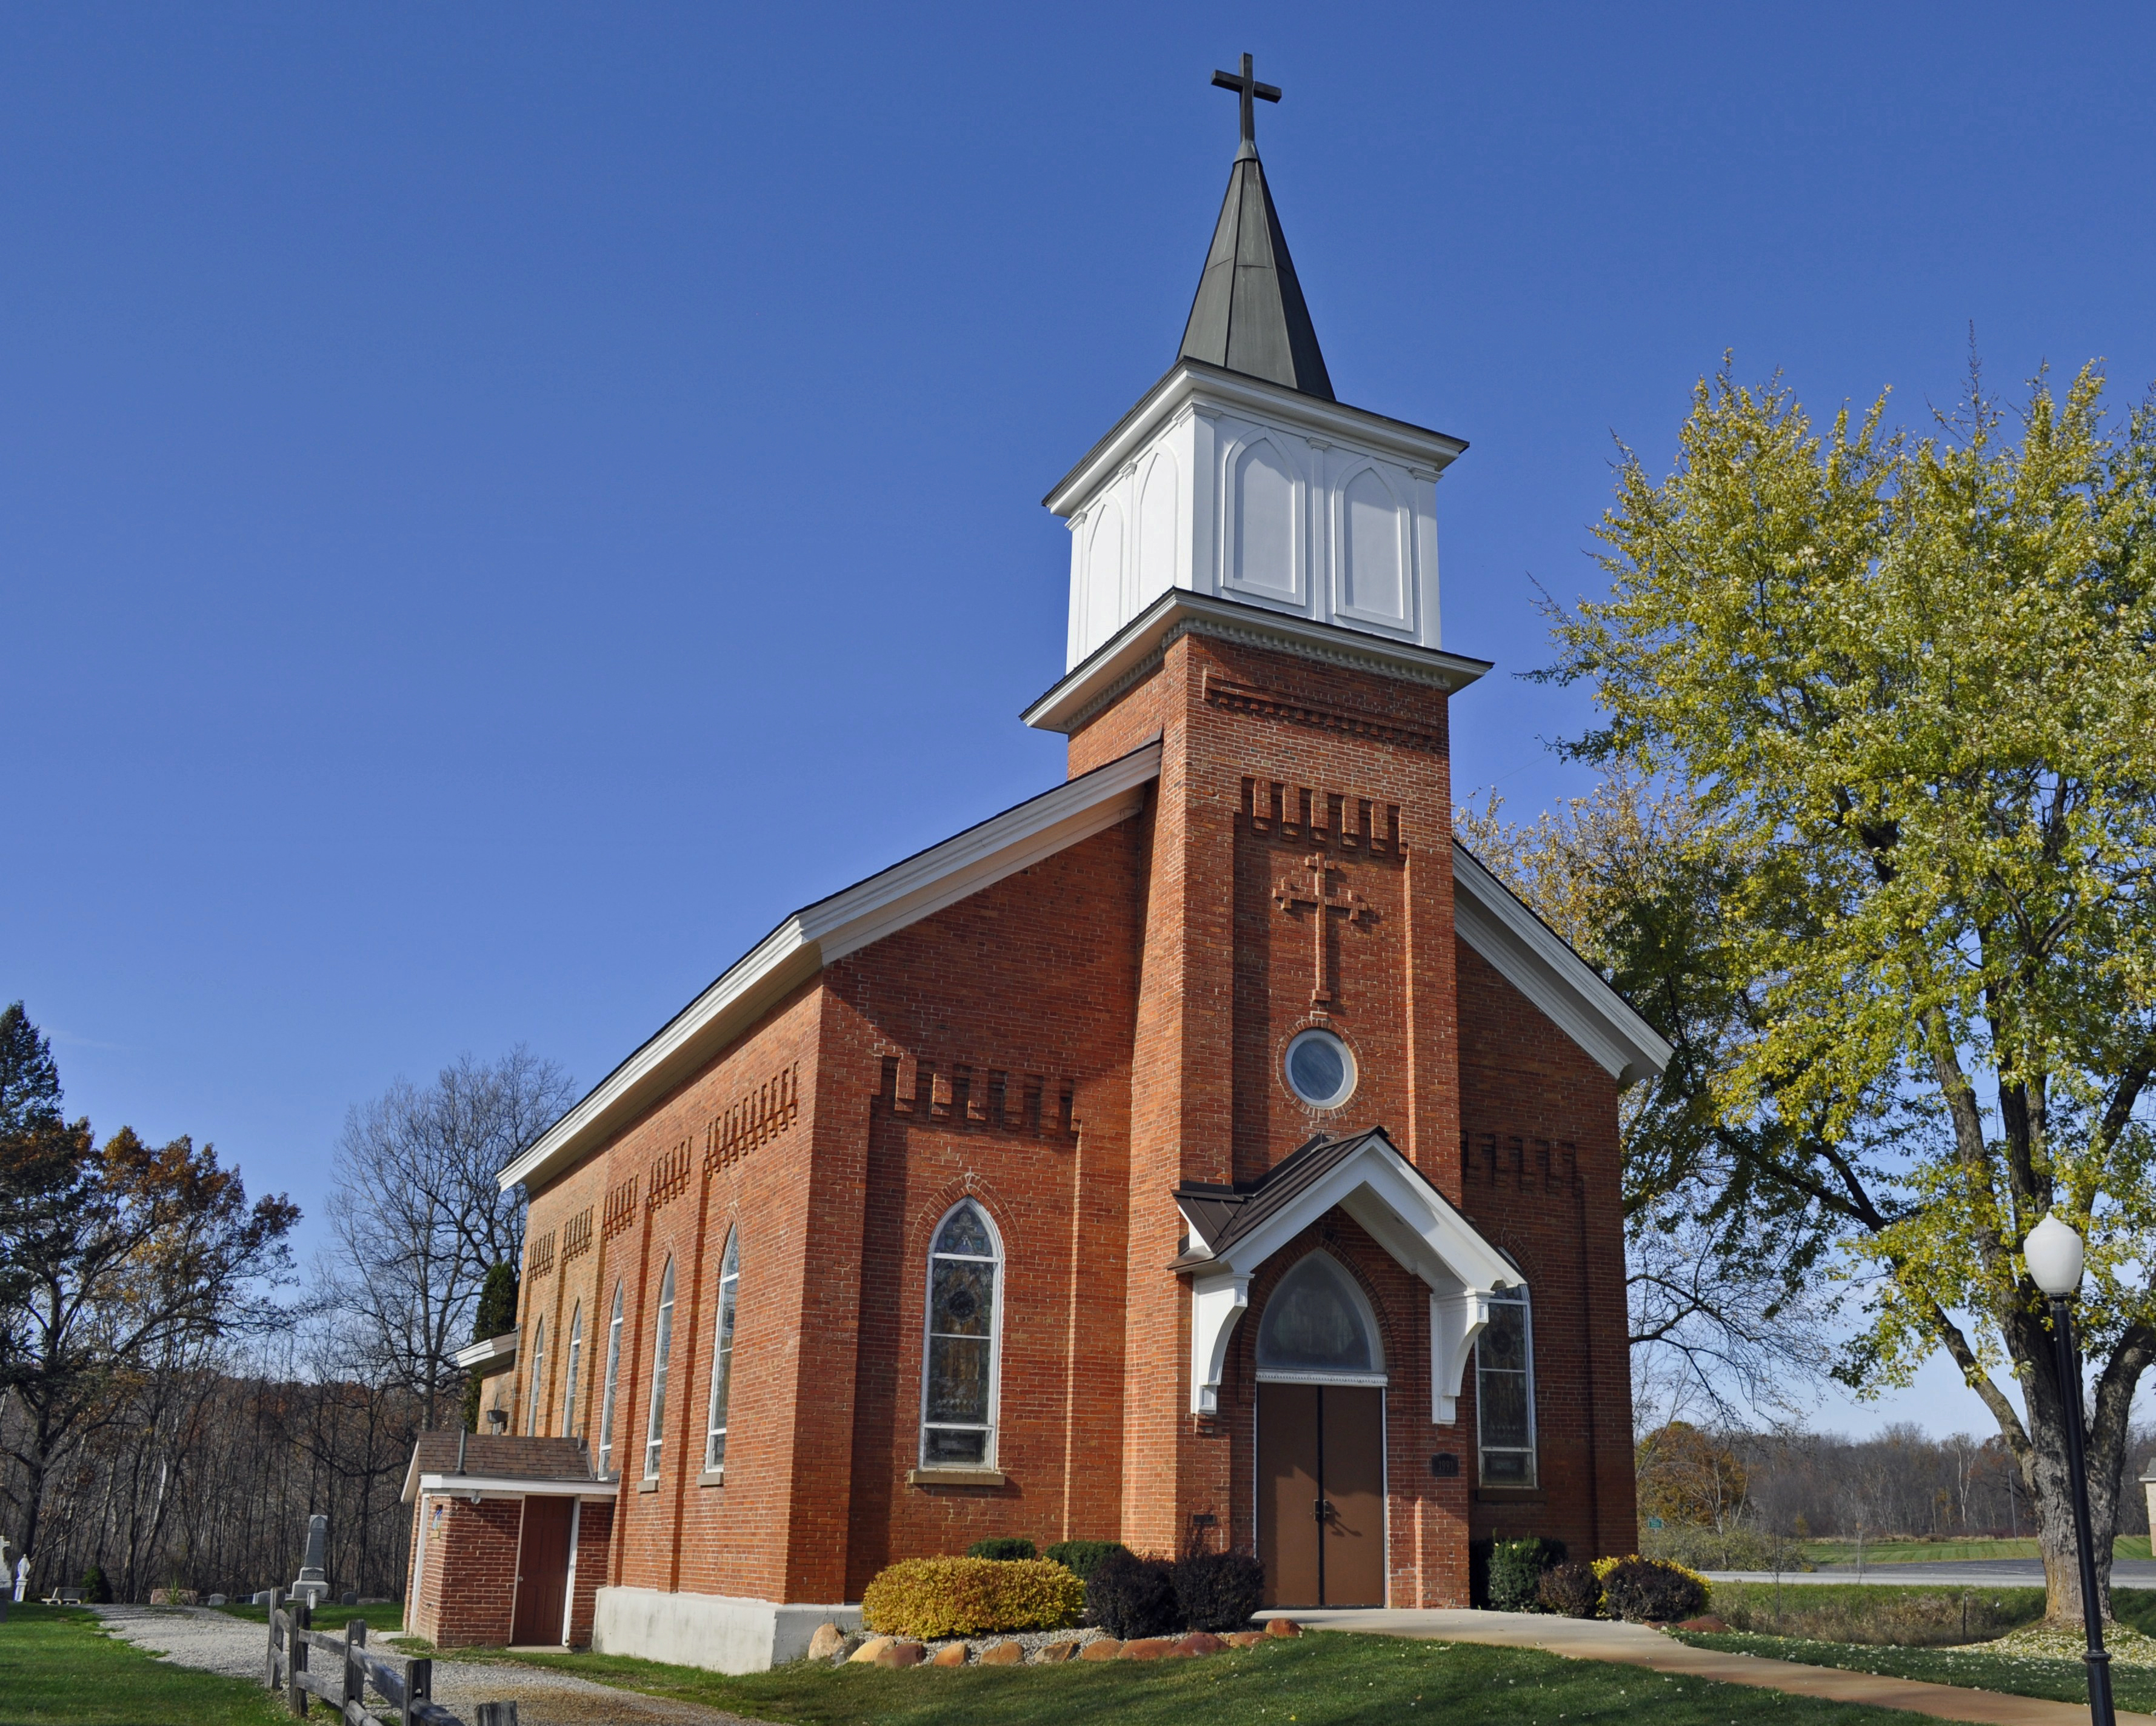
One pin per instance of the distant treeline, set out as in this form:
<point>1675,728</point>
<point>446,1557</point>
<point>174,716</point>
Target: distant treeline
<point>1900,1483</point>
<point>207,1480</point>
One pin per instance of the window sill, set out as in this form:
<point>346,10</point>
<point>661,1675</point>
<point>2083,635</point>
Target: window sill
<point>647,1486</point>
<point>955,1477</point>
<point>712,1478</point>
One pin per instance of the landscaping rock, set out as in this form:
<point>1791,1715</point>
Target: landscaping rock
<point>1147,1648</point>
<point>1053,1653</point>
<point>1282,1627</point>
<point>1707,1622</point>
<point>1107,1648</point>
<point>950,1654</point>
<point>1002,1654</point>
<point>866,1653</point>
<point>899,1654</point>
<point>828,1641</point>
<point>1200,1642</point>
<point>1245,1638</point>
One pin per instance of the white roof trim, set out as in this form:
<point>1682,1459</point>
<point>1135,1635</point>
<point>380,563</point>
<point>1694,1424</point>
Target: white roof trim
<point>832,929</point>
<point>510,1486</point>
<point>1530,957</point>
<point>487,1352</point>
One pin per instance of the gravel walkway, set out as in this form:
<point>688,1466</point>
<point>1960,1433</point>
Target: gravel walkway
<point>218,1642</point>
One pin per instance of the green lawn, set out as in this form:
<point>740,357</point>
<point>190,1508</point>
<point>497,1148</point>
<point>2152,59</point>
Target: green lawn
<point>1935,1552</point>
<point>57,1667</point>
<point>2132,1686</point>
<point>1320,1680</point>
<point>381,1620</point>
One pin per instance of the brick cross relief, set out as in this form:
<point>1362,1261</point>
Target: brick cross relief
<point>1314,888</point>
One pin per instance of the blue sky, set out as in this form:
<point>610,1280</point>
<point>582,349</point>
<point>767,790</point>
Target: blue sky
<point>499,504</point>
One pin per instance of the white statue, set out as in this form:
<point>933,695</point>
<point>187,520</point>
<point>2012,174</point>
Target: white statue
<point>21,1576</point>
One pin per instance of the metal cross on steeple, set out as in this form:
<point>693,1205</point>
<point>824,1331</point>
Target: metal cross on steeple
<point>1245,85</point>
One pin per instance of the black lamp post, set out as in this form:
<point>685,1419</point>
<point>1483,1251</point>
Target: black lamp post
<point>2053,1252</point>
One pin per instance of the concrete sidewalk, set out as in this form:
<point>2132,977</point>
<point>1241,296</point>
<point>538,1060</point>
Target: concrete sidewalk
<point>1635,1645</point>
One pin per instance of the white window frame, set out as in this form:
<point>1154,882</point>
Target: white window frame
<point>1517,1296</point>
<point>537,1396</point>
<point>716,1417</point>
<point>999,1264</point>
<point>571,1363</point>
<point>613,1384</point>
<point>662,1349</point>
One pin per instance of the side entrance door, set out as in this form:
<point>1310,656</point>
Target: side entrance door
<point>1322,1494</point>
<point>543,1571</point>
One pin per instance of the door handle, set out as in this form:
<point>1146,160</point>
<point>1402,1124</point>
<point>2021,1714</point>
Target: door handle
<point>1323,1510</point>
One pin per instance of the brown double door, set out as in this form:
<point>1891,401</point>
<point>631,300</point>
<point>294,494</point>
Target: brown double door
<point>543,1571</point>
<point>1322,1494</point>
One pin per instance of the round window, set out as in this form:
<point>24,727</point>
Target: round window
<point>1321,1070</point>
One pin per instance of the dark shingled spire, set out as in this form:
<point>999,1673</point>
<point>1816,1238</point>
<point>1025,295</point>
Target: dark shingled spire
<point>1249,315</point>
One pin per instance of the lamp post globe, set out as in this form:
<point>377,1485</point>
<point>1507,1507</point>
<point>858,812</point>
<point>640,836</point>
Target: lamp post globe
<point>2053,1251</point>
<point>2053,1255</point>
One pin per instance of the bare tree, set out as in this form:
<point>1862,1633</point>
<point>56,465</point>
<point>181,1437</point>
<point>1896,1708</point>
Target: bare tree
<point>417,1218</point>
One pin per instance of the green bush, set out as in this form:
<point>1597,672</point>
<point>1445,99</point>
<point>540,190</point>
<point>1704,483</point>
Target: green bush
<point>1516,1572</point>
<point>1219,1591</point>
<point>1003,1547</point>
<point>928,1598</point>
<point>1078,1557</point>
<point>1129,1596</point>
<point>97,1592</point>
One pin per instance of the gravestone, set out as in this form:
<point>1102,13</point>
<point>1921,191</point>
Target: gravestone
<point>217,1599</point>
<point>313,1583</point>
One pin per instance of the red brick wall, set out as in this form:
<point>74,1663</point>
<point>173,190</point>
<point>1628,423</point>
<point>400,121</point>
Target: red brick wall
<point>594,1534</point>
<point>1540,1151</point>
<point>466,1596</point>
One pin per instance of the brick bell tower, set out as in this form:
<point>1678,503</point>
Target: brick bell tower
<point>1254,581</point>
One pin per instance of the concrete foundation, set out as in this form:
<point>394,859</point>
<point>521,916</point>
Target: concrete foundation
<point>718,1632</point>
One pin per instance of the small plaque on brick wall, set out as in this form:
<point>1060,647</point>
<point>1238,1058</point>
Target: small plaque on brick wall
<point>1445,1465</point>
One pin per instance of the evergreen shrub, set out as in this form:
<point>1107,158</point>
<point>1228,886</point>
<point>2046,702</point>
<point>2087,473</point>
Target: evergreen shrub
<point>1217,1591</point>
<point>97,1592</point>
<point>1081,1556</point>
<point>1003,1547</point>
<point>1516,1572</point>
<point>1130,1597</point>
<point>1650,1591</point>
<point>1571,1591</point>
<point>929,1598</point>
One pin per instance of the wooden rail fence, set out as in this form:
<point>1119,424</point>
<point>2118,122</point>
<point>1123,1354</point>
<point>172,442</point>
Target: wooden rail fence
<point>304,1662</point>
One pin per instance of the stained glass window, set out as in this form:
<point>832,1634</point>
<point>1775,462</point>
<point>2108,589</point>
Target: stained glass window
<point>722,1353</point>
<point>1313,1323</point>
<point>613,1382</point>
<point>959,1389</point>
<point>1505,1392</point>
<point>662,1345</point>
<point>538,1377</point>
<point>569,1369</point>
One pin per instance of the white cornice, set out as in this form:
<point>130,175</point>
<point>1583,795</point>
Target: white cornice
<point>830,929</point>
<point>509,1486</point>
<point>1132,650</point>
<point>1193,384</point>
<point>1530,957</point>
<point>488,1352</point>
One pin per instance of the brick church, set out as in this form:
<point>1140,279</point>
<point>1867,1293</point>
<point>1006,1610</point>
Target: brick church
<point>1208,1149</point>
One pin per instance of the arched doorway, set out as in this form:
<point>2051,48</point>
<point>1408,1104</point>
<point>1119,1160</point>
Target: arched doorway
<point>1320,1472</point>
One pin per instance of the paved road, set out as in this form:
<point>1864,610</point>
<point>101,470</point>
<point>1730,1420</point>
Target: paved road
<point>1635,1645</point>
<point>218,1642</point>
<point>1965,1573</point>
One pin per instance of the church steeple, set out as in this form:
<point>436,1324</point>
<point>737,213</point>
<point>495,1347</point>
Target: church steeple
<point>1249,315</point>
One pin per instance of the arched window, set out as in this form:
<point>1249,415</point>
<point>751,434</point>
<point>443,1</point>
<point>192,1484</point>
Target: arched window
<point>1318,1327</point>
<point>1505,1392</point>
<point>569,1371</point>
<point>538,1395</point>
<point>722,1353</point>
<point>662,1345</point>
<point>613,1383</point>
<point>959,1365</point>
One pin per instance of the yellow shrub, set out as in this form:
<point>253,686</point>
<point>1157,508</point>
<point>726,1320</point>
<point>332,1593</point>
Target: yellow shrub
<point>1602,1567</point>
<point>970,1597</point>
